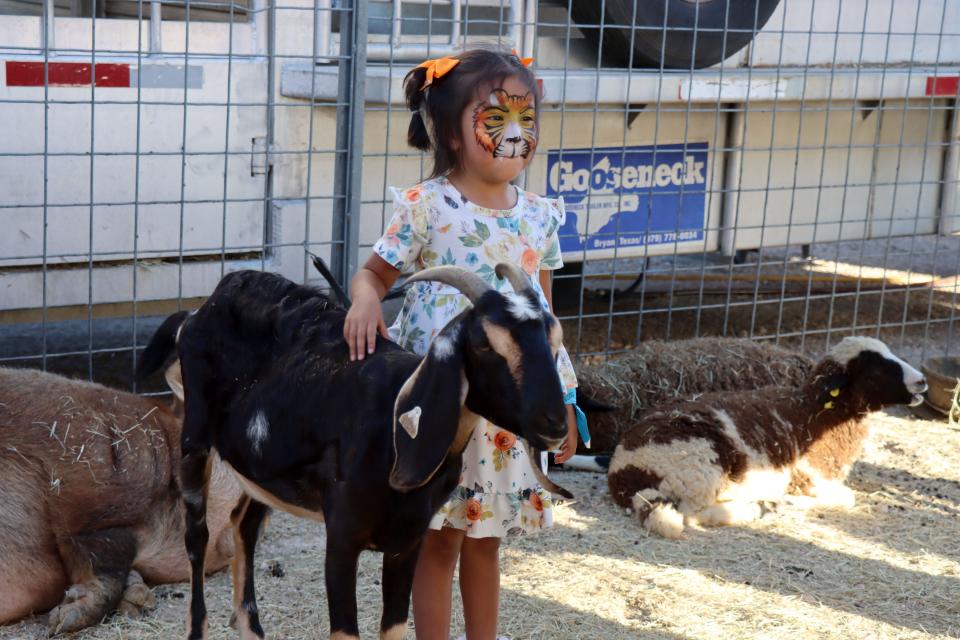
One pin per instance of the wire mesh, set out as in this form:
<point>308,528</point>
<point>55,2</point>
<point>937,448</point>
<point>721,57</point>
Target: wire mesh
<point>799,189</point>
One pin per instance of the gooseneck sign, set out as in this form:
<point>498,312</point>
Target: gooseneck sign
<point>630,197</point>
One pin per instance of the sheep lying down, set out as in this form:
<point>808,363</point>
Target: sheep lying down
<point>714,460</point>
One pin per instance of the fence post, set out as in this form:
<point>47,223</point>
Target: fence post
<point>729,214</point>
<point>951,169</point>
<point>47,30</point>
<point>347,182</point>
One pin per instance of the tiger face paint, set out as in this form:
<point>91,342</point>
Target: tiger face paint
<point>506,125</point>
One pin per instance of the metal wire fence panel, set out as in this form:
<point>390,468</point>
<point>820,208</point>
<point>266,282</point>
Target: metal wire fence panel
<point>784,170</point>
<point>144,158</point>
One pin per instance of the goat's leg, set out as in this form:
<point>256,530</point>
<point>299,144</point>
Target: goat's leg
<point>97,564</point>
<point>397,583</point>
<point>341,577</point>
<point>246,518</point>
<point>195,466</point>
<point>195,474</point>
<point>237,570</point>
<point>137,597</point>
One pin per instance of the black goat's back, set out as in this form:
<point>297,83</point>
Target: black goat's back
<point>276,360</point>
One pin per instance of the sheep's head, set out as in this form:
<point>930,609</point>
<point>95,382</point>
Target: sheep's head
<point>500,355</point>
<point>863,375</point>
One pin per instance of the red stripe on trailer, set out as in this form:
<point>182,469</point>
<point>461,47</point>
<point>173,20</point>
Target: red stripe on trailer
<point>67,74</point>
<point>942,85</point>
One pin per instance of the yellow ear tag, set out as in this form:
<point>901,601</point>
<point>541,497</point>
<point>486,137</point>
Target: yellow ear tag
<point>828,405</point>
<point>834,392</point>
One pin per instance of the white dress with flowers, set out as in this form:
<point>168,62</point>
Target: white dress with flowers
<point>433,224</point>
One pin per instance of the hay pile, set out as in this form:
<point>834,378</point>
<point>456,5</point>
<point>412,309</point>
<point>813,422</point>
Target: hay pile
<point>656,372</point>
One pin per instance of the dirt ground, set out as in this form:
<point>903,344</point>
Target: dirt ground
<point>889,568</point>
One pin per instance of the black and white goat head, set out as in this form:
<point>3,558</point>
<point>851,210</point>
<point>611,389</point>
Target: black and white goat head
<point>495,355</point>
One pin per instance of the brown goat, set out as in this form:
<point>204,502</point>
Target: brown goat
<point>90,495</point>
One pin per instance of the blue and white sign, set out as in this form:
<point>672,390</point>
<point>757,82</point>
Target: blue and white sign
<point>636,196</point>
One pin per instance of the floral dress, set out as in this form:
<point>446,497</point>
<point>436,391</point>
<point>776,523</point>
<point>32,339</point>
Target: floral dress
<point>433,224</point>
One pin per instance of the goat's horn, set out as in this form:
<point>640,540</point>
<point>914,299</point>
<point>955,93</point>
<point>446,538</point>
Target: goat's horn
<point>467,282</point>
<point>517,278</point>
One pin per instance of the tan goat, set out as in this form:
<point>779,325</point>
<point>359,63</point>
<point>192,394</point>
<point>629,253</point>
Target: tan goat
<point>90,501</point>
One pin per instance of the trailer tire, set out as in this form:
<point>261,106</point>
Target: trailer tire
<point>681,47</point>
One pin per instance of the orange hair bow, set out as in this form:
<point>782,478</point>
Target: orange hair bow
<point>437,68</point>
<point>526,61</point>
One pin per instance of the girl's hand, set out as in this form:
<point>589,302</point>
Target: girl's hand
<point>364,321</point>
<point>569,446</point>
<point>365,317</point>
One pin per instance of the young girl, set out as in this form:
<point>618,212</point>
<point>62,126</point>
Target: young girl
<point>477,113</point>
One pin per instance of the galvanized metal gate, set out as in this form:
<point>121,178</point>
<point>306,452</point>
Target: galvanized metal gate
<point>803,188</point>
<point>128,142</point>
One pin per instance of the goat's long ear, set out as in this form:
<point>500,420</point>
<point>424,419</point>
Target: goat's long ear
<point>831,386</point>
<point>426,418</point>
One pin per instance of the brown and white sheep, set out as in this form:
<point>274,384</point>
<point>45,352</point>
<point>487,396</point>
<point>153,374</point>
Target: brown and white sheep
<point>90,501</point>
<point>714,460</point>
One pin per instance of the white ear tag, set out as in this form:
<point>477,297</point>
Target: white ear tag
<point>410,421</point>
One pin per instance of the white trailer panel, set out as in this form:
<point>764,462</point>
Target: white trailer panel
<point>859,32</point>
<point>822,176</point>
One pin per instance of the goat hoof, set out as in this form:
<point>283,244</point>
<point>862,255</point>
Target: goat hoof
<point>81,607</point>
<point>130,610</point>
<point>137,600</point>
<point>63,619</point>
<point>137,597</point>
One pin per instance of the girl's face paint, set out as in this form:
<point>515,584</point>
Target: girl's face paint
<point>506,124</point>
<point>500,161</point>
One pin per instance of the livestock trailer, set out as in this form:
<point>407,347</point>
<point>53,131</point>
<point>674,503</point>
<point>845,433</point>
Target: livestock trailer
<point>149,146</point>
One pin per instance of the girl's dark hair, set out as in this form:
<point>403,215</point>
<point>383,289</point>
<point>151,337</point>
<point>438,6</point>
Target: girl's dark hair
<point>446,98</point>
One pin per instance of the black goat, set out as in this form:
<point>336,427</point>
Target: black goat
<point>371,447</point>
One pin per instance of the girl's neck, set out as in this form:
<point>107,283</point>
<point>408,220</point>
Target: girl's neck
<point>491,195</point>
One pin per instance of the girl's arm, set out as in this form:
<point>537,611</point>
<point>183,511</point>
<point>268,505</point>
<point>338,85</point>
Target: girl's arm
<point>365,318</point>
<point>569,446</point>
<point>546,285</point>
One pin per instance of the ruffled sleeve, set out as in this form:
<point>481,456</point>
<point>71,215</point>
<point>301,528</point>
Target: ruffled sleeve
<point>407,232</point>
<point>551,257</point>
